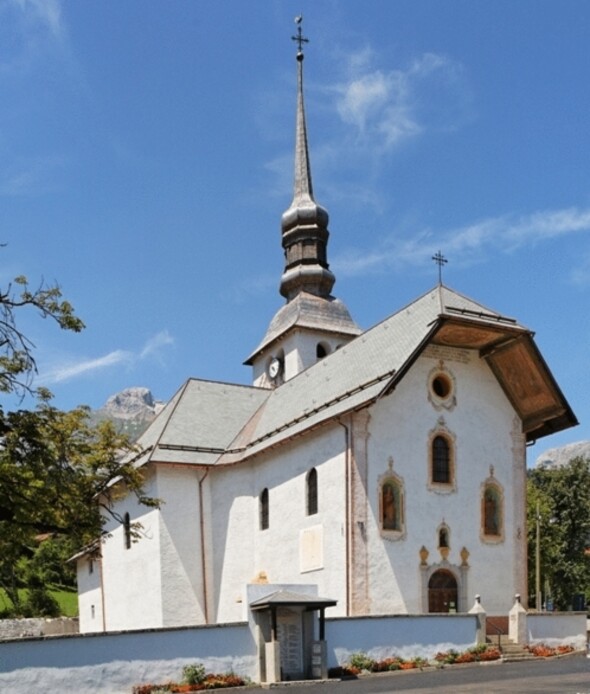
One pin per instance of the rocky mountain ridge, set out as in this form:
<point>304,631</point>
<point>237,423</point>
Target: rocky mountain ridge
<point>132,410</point>
<point>557,457</point>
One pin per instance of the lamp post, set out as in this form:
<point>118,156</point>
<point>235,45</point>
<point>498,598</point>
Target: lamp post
<point>538,562</point>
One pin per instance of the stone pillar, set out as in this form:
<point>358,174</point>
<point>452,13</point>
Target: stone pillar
<point>517,623</point>
<point>319,660</point>
<point>480,616</point>
<point>272,657</point>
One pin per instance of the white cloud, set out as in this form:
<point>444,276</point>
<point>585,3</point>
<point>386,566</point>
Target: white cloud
<point>469,244</point>
<point>67,372</point>
<point>155,344</point>
<point>389,107</point>
<point>76,368</point>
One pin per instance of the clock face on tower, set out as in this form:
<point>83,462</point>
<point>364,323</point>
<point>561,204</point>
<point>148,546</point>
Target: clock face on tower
<point>274,368</point>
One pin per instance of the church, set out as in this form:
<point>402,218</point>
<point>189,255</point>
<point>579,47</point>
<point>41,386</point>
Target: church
<point>383,469</point>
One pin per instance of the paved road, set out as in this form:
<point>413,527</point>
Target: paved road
<point>569,675</point>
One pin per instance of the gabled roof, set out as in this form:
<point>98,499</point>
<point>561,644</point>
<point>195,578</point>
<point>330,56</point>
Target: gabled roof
<point>199,422</point>
<point>214,423</point>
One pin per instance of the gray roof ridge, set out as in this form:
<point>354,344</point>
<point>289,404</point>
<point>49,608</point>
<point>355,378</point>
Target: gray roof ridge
<point>212,381</point>
<point>178,396</point>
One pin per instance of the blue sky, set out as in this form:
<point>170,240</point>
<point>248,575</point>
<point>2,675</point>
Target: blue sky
<point>146,153</point>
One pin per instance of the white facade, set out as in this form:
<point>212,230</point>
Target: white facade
<point>200,550</point>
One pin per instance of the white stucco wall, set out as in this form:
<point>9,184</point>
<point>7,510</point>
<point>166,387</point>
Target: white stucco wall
<point>244,553</point>
<point>88,572</point>
<point>481,423</point>
<point>180,546</point>
<point>158,582</point>
<point>131,577</point>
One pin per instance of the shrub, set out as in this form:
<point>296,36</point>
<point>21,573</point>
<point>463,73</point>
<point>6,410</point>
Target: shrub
<point>385,665</point>
<point>361,661</point>
<point>193,674</point>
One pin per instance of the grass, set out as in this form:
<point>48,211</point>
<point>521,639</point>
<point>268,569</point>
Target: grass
<point>66,599</point>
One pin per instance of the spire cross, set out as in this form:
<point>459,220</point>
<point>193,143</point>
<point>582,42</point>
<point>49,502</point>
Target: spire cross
<point>299,38</point>
<point>440,260</point>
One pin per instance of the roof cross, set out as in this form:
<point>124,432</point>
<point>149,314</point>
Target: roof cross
<point>440,260</point>
<point>299,38</point>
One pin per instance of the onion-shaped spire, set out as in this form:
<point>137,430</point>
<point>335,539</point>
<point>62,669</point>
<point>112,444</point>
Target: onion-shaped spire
<point>305,224</point>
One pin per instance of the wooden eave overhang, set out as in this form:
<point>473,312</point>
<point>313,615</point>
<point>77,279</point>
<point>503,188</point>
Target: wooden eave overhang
<point>517,363</point>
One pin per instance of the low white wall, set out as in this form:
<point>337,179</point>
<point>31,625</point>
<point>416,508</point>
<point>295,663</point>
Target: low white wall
<point>557,628</point>
<point>112,663</point>
<point>402,635</point>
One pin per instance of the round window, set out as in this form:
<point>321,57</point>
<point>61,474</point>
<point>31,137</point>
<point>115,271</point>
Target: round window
<point>441,386</point>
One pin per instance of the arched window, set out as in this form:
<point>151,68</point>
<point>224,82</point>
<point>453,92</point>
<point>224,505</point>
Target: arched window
<point>390,506</point>
<point>492,511</point>
<point>321,351</point>
<point>127,531</point>
<point>441,460</point>
<point>264,509</point>
<point>443,538</point>
<point>312,492</point>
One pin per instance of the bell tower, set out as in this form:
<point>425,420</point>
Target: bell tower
<point>312,323</point>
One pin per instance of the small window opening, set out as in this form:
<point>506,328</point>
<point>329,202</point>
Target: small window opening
<point>441,462</point>
<point>492,512</point>
<point>92,612</point>
<point>264,522</point>
<point>321,351</point>
<point>443,537</point>
<point>127,531</point>
<point>312,492</point>
<point>91,566</point>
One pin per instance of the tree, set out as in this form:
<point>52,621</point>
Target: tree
<point>57,472</point>
<point>17,362</point>
<point>57,475</point>
<point>563,497</point>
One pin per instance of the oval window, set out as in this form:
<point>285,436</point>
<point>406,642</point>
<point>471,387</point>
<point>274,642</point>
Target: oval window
<point>441,386</point>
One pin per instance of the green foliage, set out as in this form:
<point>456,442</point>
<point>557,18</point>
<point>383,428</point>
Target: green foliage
<point>361,661</point>
<point>40,603</point>
<point>563,498</point>
<point>56,474</point>
<point>193,674</point>
<point>17,363</point>
<point>56,469</point>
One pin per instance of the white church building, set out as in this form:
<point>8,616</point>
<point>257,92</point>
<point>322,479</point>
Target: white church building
<point>384,470</point>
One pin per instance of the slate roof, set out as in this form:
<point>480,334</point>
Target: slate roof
<point>308,311</point>
<point>218,423</point>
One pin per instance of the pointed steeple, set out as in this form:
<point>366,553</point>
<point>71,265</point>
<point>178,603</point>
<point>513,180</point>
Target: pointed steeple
<point>305,224</point>
<point>312,323</point>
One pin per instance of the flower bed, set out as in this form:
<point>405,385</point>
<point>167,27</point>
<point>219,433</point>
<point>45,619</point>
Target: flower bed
<point>542,651</point>
<point>194,680</point>
<point>360,662</point>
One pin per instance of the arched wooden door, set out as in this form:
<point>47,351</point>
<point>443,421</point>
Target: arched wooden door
<point>442,591</point>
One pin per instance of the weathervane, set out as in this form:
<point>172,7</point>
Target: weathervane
<point>440,260</point>
<point>299,38</point>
